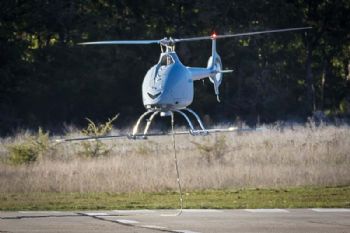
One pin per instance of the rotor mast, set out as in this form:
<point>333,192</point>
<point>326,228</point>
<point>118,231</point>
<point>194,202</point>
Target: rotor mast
<point>167,45</point>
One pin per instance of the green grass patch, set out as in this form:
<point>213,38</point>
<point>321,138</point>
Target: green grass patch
<point>305,197</point>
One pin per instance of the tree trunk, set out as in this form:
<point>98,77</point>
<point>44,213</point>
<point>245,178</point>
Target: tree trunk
<point>310,95</point>
<point>323,81</point>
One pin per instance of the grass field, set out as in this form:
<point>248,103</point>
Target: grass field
<point>302,197</point>
<point>292,157</point>
<point>240,170</point>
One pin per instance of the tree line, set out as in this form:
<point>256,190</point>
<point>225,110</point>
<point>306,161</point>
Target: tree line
<point>48,80</point>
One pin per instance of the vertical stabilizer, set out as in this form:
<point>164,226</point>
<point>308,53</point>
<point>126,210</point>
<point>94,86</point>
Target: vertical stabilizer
<point>213,50</point>
<point>214,64</point>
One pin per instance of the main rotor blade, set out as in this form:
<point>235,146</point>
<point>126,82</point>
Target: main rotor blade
<point>240,34</point>
<point>171,41</point>
<point>111,42</point>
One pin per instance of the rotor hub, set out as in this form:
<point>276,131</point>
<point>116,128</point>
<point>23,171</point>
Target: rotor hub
<point>167,44</point>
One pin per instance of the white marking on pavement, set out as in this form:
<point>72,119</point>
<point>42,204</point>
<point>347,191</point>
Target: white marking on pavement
<point>133,211</point>
<point>186,231</point>
<point>191,211</point>
<point>331,210</point>
<point>201,210</point>
<point>96,214</point>
<point>39,212</point>
<point>126,221</point>
<point>267,210</point>
<point>172,214</point>
<point>153,227</point>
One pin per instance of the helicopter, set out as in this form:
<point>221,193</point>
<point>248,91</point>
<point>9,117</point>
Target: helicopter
<point>168,86</point>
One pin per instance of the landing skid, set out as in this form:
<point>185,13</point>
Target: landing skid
<point>145,136</point>
<point>135,132</point>
<point>151,114</point>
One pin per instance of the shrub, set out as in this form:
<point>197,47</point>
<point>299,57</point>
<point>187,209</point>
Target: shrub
<point>213,150</point>
<point>29,150</point>
<point>96,148</point>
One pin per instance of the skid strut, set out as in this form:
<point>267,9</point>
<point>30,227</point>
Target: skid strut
<point>135,132</point>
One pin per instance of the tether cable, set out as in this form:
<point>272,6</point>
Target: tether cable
<point>176,164</point>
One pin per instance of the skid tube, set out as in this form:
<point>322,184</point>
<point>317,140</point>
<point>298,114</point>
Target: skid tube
<point>152,114</point>
<point>192,130</point>
<point>143,136</point>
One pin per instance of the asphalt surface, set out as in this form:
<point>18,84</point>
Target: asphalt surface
<point>190,221</point>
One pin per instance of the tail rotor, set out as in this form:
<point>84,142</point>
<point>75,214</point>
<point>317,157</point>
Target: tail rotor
<point>215,64</point>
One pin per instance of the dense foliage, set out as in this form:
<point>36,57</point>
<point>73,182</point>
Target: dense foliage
<point>47,80</point>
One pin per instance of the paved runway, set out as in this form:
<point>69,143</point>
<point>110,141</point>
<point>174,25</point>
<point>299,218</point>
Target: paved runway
<point>190,221</point>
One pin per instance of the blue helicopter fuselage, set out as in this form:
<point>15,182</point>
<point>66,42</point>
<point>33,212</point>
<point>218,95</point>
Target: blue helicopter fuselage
<point>168,84</point>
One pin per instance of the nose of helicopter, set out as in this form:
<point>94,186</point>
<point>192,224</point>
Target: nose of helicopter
<point>153,86</point>
<point>154,96</point>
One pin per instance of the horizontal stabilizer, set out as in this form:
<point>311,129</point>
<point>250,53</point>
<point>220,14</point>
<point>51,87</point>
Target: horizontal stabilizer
<point>225,71</point>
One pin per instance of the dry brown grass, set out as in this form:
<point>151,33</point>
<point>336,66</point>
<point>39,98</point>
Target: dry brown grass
<point>301,156</point>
